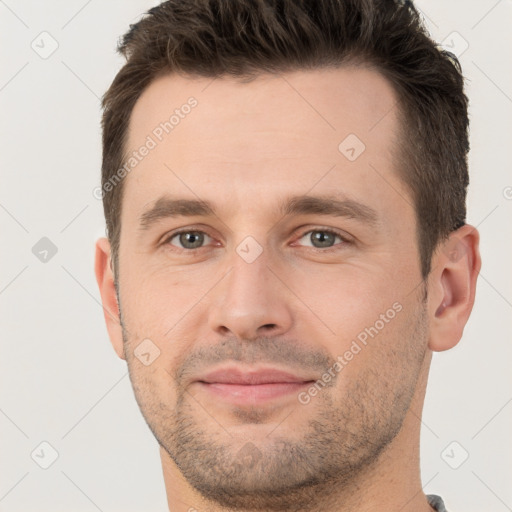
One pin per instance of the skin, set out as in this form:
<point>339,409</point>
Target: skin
<point>246,147</point>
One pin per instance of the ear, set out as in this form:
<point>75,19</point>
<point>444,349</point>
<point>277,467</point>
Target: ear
<point>105,280</point>
<point>452,285</point>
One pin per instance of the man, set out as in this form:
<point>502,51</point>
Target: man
<point>284,190</point>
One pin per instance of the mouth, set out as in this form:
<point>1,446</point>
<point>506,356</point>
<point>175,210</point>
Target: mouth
<point>252,386</point>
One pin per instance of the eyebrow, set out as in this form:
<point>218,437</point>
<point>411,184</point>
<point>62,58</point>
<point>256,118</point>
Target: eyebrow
<point>169,207</point>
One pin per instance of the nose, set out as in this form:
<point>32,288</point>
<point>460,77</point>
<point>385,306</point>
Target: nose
<point>250,301</point>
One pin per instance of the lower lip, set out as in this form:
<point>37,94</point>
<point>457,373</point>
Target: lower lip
<point>252,393</point>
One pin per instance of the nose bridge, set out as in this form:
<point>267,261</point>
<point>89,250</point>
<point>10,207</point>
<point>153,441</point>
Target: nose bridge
<point>250,300</point>
<point>247,278</point>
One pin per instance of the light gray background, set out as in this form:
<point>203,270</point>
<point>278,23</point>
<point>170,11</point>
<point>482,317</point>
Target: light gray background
<point>60,380</point>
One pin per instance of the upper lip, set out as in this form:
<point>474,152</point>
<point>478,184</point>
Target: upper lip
<point>250,376</point>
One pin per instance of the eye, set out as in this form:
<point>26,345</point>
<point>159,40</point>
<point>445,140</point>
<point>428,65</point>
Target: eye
<point>323,238</point>
<point>188,239</point>
<point>195,239</point>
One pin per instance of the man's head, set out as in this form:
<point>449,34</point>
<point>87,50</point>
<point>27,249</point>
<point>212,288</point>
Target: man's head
<point>290,245</point>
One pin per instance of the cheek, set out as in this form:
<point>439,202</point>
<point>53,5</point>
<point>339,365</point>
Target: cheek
<point>350,299</point>
<point>384,358</point>
<point>160,311</point>
<point>158,298</point>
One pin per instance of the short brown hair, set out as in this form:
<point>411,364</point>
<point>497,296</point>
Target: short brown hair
<point>244,38</point>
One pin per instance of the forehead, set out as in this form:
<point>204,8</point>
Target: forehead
<point>282,133</point>
<point>330,101</point>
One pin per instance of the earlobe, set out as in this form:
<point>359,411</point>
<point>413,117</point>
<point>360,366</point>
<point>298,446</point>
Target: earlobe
<point>105,279</point>
<point>452,286</point>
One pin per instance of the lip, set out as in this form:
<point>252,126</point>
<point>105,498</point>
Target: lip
<point>252,386</point>
<point>251,377</point>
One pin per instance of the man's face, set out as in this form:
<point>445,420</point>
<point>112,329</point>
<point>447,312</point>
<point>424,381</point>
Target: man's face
<point>267,284</point>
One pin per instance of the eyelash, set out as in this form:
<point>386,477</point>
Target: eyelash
<point>344,239</point>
